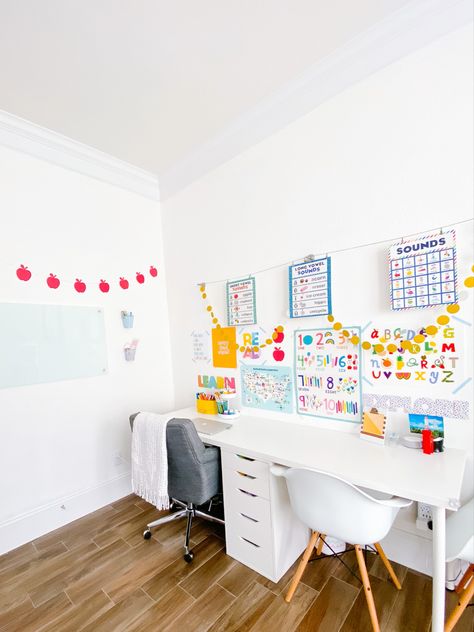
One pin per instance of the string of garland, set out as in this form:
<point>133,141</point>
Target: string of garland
<point>378,347</point>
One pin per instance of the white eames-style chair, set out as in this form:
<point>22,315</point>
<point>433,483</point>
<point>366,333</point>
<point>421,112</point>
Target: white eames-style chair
<point>330,505</point>
<point>460,544</point>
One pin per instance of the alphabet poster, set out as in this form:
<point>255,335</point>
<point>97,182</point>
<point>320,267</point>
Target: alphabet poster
<point>328,374</point>
<point>423,272</point>
<point>267,387</point>
<point>241,303</point>
<point>224,348</point>
<point>310,288</point>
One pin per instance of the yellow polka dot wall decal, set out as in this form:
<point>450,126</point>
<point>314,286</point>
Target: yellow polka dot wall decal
<point>262,346</point>
<point>366,345</point>
<point>472,269</point>
<point>382,339</point>
<point>204,295</point>
<point>419,338</point>
<point>453,309</point>
<point>442,320</point>
<point>218,326</point>
<point>279,328</point>
<point>431,330</point>
<point>337,326</point>
<point>236,345</point>
<point>209,308</point>
<point>406,344</point>
<point>255,348</point>
<point>214,320</point>
<point>202,288</point>
<point>391,348</point>
<point>378,348</point>
<point>345,333</point>
<point>355,340</point>
<point>330,318</point>
<point>269,341</point>
<point>242,349</point>
<point>469,282</point>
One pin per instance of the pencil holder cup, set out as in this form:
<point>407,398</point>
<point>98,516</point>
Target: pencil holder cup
<point>129,354</point>
<point>206,407</point>
<point>127,320</point>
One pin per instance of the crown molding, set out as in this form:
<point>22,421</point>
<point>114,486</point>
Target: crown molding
<point>412,27</point>
<point>37,141</point>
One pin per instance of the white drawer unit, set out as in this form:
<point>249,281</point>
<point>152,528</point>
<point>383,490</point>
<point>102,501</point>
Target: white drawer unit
<point>261,530</point>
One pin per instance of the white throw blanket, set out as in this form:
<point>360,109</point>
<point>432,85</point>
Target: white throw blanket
<point>150,459</point>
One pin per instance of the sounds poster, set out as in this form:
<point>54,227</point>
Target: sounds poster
<point>328,374</point>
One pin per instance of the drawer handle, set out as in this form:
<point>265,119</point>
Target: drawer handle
<point>249,518</point>
<point>257,546</point>
<point>246,458</point>
<point>247,493</point>
<point>247,475</point>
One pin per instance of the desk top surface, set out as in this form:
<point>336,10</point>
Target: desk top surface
<point>434,479</point>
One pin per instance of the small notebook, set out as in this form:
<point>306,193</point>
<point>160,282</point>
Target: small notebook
<point>373,426</point>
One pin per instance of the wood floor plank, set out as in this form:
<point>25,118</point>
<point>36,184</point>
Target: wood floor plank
<point>209,573</point>
<point>318,572</point>
<point>238,579</point>
<point>17,556</point>
<point>246,609</point>
<point>78,617</point>
<point>178,570</point>
<point>126,501</point>
<point>7,615</point>
<point>285,616</point>
<point>76,566</point>
<point>164,612</point>
<point>120,617</point>
<point>412,609</point>
<point>330,608</point>
<point>279,587</point>
<point>203,612</point>
<point>385,595</point>
<point>34,620</point>
<point>128,528</point>
<point>466,622</point>
<point>377,569</point>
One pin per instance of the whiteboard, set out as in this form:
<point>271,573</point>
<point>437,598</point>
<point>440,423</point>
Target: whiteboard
<point>50,343</point>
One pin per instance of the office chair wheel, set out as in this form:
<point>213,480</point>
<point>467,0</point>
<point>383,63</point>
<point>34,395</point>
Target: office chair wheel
<point>147,534</point>
<point>188,557</point>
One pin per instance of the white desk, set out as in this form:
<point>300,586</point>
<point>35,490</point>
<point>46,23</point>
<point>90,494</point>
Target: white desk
<point>435,479</point>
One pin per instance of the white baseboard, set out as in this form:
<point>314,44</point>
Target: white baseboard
<point>29,526</point>
<point>409,549</point>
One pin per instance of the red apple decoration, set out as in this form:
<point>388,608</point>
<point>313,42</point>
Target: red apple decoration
<point>23,273</point>
<point>278,336</point>
<point>140,278</point>
<point>53,281</point>
<point>278,354</point>
<point>123,283</point>
<point>104,286</point>
<point>153,271</point>
<point>80,286</point>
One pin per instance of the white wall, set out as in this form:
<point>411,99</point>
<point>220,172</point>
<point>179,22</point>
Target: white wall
<point>389,156</point>
<point>58,440</point>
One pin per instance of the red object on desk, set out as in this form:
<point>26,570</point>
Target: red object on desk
<point>427,443</point>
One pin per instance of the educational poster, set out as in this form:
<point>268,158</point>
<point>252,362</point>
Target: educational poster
<point>328,375</point>
<point>201,344</point>
<point>267,387</point>
<point>241,302</point>
<point>423,272</point>
<point>224,347</point>
<point>437,361</point>
<point>310,288</point>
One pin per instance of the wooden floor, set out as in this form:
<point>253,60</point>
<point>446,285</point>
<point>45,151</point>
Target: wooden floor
<point>98,574</point>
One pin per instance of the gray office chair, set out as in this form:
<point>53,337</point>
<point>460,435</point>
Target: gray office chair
<point>194,476</point>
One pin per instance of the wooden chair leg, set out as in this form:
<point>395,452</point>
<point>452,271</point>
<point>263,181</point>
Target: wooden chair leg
<point>320,544</point>
<point>302,565</point>
<point>465,578</point>
<point>388,566</point>
<point>463,602</point>
<point>367,588</point>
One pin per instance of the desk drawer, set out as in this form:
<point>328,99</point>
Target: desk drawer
<point>244,464</point>
<point>256,530</point>
<point>238,500</point>
<point>244,550</point>
<point>256,484</point>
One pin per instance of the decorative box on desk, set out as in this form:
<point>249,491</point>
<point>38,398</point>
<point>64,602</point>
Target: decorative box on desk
<point>206,406</point>
<point>261,530</point>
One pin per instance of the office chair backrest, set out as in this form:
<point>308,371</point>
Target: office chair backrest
<point>328,504</point>
<point>460,534</point>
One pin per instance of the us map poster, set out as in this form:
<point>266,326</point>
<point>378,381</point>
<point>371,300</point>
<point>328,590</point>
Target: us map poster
<point>310,288</point>
<point>267,387</point>
<point>423,272</point>
<point>328,374</point>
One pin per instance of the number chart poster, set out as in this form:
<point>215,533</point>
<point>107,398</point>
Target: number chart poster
<point>328,374</point>
<point>241,303</point>
<point>423,272</point>
<point>310,288</point>
<point>267,387</point>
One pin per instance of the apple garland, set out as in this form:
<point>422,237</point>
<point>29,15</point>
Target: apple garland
<point>53,282</point>
<point>277,335</point>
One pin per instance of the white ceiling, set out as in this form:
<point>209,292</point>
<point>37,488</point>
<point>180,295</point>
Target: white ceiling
<point>149,81</point>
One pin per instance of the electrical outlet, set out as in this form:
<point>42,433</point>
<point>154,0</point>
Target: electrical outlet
<point>424,512</point>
